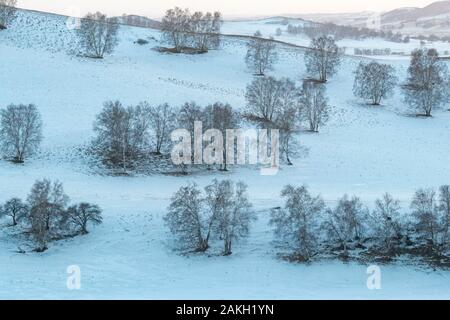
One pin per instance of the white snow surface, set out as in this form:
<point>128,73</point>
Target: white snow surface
<point>363,150</point>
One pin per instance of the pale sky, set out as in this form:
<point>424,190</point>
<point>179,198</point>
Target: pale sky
<point>156,8</point>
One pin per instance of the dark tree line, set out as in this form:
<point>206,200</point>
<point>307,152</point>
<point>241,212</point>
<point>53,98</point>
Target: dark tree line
<point>339,32</point>
<point>46,216</point>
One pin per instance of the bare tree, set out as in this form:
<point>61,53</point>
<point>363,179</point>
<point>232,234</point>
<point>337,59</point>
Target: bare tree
<point>83,213</point>
<point>162,120</point>
<point>428,82</point>
<point>266,97</point>
<point>7,12</point>
<point>345,222</point>
<point>15,209</point>
<point>323,59</point>
<point>297,225</point>
<point>98,34</point>
<point>186,221</point>
<point>314,105</point>
<point>47,202</point>
<point>387,224</point>
<point>122,134</point>
<point>231,211</point>
<point>20,131</point>
<point>374,81</point>
<point>261,54</point>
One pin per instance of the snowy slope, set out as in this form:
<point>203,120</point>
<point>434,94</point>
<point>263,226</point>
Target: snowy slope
<point>364,151</point>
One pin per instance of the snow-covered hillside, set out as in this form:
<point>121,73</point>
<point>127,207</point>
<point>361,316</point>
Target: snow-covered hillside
<point>363,150</point>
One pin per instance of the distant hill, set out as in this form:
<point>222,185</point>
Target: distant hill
<point>139,21</point>
<point>435,9</point>
<point>433,19</point>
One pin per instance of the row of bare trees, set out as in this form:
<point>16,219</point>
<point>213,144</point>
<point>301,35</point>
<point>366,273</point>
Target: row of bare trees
<point>306,229</point>
<point>183,30</point>
<point>125,136</point>
<point>46,214</point>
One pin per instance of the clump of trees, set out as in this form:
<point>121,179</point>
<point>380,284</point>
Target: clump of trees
<point>122,134</point>
<point>185,31</point>
<point>261,54</point>
<point>222,212</point>
<point>20,131</point>
<point>7,13</point>
<point>304,229</point>
<point>127,136</point>
<point>98,35</point>
<point>323,58</point>
<point>427,85</point>
<point>45,214</point>
<point>374,81</point>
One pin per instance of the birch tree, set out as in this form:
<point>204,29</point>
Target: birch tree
<point>314,105</point>
<point>428,83</point>
<point>374,81</point>
<point>297,224</point>
<point>261,54</point>
<point>323,58</point>
<point>185,219</point>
